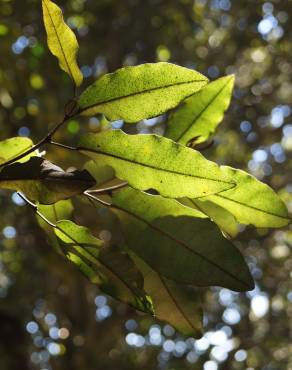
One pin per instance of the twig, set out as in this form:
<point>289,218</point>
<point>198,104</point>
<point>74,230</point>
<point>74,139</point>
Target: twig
<point>71,110</point>
<point>62,145</point>
<point>108,189</point>
<point>104,203</point>
<point>35,209</point>
<point>45,140</point>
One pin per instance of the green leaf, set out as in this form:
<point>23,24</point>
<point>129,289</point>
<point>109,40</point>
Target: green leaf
<point>14,146</point>
<point>144,91</point>
<point>225,220</point>
<point>153,162</point>
<point>198,116</point>
<point>54,212</point>
<point>176,304</point>
<point>110,267</point>
<point>126,282</point>
<point>178,246</point>
<point>43,181</point>
<point>251,201</point>
<point>62,41</point>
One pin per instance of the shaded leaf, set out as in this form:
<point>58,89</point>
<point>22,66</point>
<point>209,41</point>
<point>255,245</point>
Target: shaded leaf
<point>101,173</point>
<point>219,215</point>
<point>126,283</point>
<point>198,116</point>
<point>251,201</point>
<point>110,267</point>
<point>178,305</point>
<point>183,248</point>
<point>153,162</point>
<point>62,41</point>
<point>144,91</point>
<point>43,181</point>
<point>14,146</point>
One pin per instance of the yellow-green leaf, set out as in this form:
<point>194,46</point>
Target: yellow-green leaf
<point>144,91</point>
<point>199,115</point>
<point>54,212</point>
<point>11,148</point>
<point>251,201</point>
<point>62,41</point>
<point>154,162</point>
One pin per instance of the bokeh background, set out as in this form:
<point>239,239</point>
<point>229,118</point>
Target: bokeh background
<point>50,316</point>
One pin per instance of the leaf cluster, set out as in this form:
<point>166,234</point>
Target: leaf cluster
<point>178,211</point>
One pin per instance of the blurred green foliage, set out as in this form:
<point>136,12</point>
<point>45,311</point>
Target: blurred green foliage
<point>50,316</point>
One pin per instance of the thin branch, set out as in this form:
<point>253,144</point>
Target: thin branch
<point>71,110</point>
<point>27,201</point>
<point>108,189</point>
<point>35,209</point>
<point>45,140</point>
<point>62,145</point>
<point>104,203</point>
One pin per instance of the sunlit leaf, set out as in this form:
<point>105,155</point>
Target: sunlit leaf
<point>198,116</point>
<point>176,304</point>
<point>251,201</point>
<point>62,41</point>
<point>61,210</point>
<point>153,162</point>
<point>178,246</point>
<point>44,182</point>
<point>13,147</point>
<point>109,267</point>
<point>144,91</point>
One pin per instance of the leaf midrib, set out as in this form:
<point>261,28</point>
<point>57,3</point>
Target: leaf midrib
<point>95,105</point>
<point>180,310</point>
<point>252,207</point>
<point>203,110</point>
<point>59,41</point>
<point>156,168</point>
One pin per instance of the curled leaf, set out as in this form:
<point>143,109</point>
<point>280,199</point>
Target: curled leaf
<point>44,182</point>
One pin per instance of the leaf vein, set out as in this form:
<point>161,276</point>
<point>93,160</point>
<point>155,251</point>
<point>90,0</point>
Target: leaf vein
<point>153,167</point>
<point>95,105</point>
